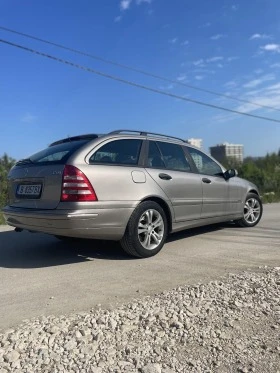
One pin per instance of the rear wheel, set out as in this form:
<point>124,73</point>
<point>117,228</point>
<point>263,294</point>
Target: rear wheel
<point>146,231</point>
<point>252,211</point>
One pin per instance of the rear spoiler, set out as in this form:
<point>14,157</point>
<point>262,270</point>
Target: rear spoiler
<point>76,138</point>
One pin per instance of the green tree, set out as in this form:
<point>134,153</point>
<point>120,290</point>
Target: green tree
<point>265,173</point>
<point>6,163</point>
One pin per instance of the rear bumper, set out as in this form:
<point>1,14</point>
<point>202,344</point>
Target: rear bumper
<point>107,223</point>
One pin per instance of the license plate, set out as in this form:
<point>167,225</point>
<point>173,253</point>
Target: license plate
<point>25,190</point>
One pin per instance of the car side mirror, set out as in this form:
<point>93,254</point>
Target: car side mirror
<point>230,173</point>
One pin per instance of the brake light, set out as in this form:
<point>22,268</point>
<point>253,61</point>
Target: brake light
<point>76,186</point>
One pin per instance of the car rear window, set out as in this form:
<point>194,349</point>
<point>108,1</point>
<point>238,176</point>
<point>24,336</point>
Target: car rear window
<point>56,154</point>
<point>125,152</point>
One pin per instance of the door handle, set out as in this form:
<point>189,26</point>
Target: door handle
<point>206,180</point>
<point>165,176</point>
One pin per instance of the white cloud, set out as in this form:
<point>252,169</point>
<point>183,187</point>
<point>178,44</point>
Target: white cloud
<point>273,87</point>
<point>138,2</point>
<point>204,71</point>
<point>220,65</point>
<point>173,41</point>
<point>207,24</point>
<point>199,62</point>
<point>275,65</point>
<point>260,36</point>
<point>233,58</point>
<point>258,71</point>
<point>186,42</point>
<point>235,7</point>
<point>271,48</point>
<point>215,59</point>
<point>266,96</point>
<point>217,36</point>
<point>256,82</point>
<point>28,118</point>
<point>181,77</point>
<point>118,19</point>
<point>166,87</point>
<point>125,4</point>
<point>265,100</point>
<point>199,77</point>
<point>231,84</point>
<point>221,118</point>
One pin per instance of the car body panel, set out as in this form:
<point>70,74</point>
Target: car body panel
<point>184,191</point>
<point>49,177</point>
<point>105,223</point>
<point>215,196</point>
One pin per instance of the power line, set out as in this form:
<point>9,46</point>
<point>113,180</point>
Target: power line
<point>123,66</point>
<point>118,79</point>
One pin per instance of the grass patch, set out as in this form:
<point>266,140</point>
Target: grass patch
<point>2,220</point>
<point>270,197</point>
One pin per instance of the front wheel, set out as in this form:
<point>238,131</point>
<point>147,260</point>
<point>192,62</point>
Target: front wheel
<point>146,231</point>
<point>252,211</point>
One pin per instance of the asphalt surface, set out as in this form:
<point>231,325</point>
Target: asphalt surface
<point>40,275</point>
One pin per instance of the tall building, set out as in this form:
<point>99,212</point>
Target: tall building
<point>195,142</point>
<point>223,151</point>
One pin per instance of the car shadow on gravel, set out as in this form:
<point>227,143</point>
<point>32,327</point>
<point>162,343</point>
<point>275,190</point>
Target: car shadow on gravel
<point>192,232</point>
<point>35,250</point>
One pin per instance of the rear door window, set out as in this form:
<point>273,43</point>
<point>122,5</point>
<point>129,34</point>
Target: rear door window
<point>124,152</point>
<point>167,155</point>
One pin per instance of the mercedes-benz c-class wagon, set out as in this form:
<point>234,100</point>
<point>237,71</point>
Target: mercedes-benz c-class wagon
<point>131,186</point>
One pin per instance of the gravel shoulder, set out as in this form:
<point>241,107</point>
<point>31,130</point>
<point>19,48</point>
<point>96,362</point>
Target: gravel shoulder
<point>228,325</point>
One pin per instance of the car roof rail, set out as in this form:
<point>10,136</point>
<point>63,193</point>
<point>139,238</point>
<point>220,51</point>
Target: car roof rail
<point>91,136</point>
<point>145,133</point>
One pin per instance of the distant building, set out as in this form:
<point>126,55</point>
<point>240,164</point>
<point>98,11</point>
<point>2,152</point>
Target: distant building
<point>195,142</point>
<point>226,150</point>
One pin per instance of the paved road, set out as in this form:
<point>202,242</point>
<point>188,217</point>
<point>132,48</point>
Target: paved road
<point>40,275</point>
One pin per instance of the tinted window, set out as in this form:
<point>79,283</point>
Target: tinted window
<point>56,153</point>
<point>155,158</point>
<point>204,164</point>
<point>166,155</point>
<point>124,152</point>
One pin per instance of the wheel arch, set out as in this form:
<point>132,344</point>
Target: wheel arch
<point>164,205</point>
<point>254,191</point>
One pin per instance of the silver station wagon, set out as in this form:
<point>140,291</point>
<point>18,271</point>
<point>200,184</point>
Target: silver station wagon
<point>132,186</point>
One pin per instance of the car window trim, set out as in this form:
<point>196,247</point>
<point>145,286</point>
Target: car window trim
<point>190,159</point>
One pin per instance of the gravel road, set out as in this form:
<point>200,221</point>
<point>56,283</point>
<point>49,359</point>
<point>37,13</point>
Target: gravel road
<point>223,314</point>
<point>40,275</point>
<point>228,325</point>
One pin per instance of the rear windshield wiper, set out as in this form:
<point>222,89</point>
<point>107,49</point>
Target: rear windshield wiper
<point>24,161</point>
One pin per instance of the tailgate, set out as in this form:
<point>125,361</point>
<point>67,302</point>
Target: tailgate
<point>35,186</point>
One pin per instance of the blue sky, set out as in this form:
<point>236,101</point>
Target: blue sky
<point>232,47</point>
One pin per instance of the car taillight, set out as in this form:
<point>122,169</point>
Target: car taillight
<point>76,186</point>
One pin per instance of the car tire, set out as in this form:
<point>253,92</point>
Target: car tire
<point>146,230</point>
<point>252,211</point>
